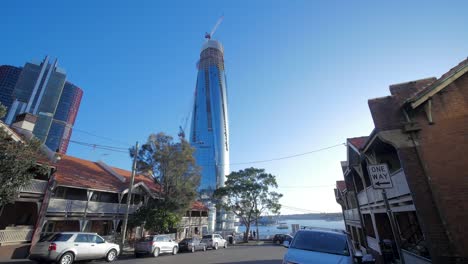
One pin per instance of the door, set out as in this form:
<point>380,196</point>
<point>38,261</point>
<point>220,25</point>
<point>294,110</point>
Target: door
<point>167,244</point>
<point>98,246</point>
<point>160,243</point>
<point>82,246</point>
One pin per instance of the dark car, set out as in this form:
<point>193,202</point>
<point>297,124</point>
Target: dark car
<point>280,238</point>
<point>192,244</point>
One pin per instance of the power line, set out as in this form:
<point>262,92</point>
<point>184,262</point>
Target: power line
<point>290,156</point>
<point>102,137</point>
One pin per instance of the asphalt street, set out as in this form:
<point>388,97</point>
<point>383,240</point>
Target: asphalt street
<point>264,254</point>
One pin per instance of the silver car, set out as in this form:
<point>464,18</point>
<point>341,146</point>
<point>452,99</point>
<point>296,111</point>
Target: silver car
<point>67,247</point>
<point>155,245</point>
<point>214,241</point>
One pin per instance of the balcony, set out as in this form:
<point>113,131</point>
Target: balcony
<point>77,206</point>
<point>13,235</point>
<point>36,186</point>
<point>351,214</point>
<point>194,221</point>
<point>400,188</point>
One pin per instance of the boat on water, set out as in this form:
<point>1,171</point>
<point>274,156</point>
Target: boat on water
<point>282,226</point>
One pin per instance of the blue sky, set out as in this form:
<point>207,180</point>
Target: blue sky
<point>299,72</point>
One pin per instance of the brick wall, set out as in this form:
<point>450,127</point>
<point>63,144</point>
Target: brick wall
<point>444,151</point>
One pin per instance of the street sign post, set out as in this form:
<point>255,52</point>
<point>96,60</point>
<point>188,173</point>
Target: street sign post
<point>380,176</point>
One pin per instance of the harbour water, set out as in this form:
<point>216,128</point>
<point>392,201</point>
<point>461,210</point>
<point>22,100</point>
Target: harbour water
<point>270,230</point>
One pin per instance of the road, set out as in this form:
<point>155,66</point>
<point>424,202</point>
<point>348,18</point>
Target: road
<point>265,254</point>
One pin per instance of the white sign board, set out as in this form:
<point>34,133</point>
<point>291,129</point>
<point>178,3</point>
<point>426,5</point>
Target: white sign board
<point>380,176</point>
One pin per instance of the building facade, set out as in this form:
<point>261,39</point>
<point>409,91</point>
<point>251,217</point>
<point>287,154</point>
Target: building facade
<point>420,133</point>
<point>210,124</point>
<point>64,118</point>
<point>8,78</point>
<point>40,89</point>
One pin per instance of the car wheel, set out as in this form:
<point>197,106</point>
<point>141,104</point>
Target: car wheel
<point>156,252</point>
<point>174,251</point>
<point>215,247</point>
<point>137,255</point>
<point>225,244</point>
<point>67,258</point>
<point>111,255</point>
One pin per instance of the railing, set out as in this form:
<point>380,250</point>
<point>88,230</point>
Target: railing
<point>79,206</point>
<point>186,221</point>
<point>400,188</point>
<point>16,235</point>
<point>351,214</point>
<point>36,186</point>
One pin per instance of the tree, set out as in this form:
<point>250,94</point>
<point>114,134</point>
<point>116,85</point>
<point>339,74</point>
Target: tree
<point>173,167</point>
<point>18,164</point>
<point>247,194</point>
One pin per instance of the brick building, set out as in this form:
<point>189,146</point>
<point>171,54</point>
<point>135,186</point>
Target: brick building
<point>421,133</point>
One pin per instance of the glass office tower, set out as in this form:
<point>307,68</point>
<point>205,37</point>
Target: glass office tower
<point>38,91</point>
<point>8,77</point>
<point>64,118</point>
<point>210,127</point>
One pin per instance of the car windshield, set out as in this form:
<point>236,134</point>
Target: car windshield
<point>321,242</point>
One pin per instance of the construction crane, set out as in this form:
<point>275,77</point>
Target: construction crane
<point>208,36</point>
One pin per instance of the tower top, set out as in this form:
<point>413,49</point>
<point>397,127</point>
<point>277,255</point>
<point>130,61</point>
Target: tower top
<point>213,44</point>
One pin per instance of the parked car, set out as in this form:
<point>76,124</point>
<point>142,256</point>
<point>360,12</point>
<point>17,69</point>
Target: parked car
<point>280,238</point>
<point>192,244</point>
<point>214,241</point>
<point>320,246</point>
<point>155,245</point>
<point>67,247</point>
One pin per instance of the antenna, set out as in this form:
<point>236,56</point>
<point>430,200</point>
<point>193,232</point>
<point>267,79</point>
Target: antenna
<point>210,35</point>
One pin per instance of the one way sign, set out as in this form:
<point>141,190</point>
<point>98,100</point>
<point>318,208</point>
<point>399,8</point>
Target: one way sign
<point>380,176</point>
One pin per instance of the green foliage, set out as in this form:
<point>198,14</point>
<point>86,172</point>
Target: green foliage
<point>247,194</point>
<point>17,165</point>
<point>3,110</point>
<point>155,218</point>
<point>173,166</point>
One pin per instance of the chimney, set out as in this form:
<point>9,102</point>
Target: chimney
<point>24,123</point>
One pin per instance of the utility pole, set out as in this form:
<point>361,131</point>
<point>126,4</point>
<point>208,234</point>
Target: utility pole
<point>129,196</point>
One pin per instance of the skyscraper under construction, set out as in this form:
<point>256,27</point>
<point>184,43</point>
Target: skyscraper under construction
<point>210,126</point>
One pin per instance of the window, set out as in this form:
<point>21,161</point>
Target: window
<point>160,238</point>
<point>95,239</point>
<point>82,238</point>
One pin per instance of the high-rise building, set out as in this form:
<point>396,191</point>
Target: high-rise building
<point>210,127</point>
<point>64,118</point>
<point>8,77</point>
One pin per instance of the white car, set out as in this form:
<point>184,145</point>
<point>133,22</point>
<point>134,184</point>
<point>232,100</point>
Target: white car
<point>155,245</point>
<point>67,247</point>
<point>214,241</point>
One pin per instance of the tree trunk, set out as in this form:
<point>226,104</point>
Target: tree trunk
<point>256,224</point>
<point>246,234</point>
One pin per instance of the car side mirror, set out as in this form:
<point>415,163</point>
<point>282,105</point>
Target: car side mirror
<point>286,244</point>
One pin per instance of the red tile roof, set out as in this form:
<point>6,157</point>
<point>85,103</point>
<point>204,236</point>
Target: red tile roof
<point>358,142</point>
<point>75,172</point>
<point>139,178</point>
<point>341,185</point>
<point>199,206</point>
